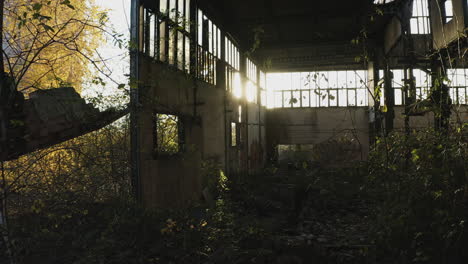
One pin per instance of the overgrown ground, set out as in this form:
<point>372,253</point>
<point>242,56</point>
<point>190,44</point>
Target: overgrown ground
<point>407,204</point>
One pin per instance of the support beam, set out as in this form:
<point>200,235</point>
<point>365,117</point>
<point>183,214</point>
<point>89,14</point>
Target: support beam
<point>134,97</point>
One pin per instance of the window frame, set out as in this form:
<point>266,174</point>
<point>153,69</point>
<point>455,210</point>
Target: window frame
<point>157,153</point>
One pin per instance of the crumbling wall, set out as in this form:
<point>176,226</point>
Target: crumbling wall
<point>445,33</point>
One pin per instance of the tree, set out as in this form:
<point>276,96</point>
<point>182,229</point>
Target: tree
<point>51,43</point>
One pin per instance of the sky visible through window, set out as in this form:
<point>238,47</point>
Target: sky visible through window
<point>317,89</point>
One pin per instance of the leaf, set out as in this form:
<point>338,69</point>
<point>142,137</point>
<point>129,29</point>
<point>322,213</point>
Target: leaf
<point>384,109</point>
<point>67,3</point>
<point>37,6</point>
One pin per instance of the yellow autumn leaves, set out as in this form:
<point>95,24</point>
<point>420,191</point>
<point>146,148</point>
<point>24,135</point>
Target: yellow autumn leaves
<point>51,43</point>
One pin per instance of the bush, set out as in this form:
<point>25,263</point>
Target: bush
<point>419,183</point>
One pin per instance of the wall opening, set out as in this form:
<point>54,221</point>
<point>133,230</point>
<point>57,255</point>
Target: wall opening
<point>167,135</point>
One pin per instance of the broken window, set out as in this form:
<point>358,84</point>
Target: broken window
<point>167,134</point>
<point>206,53</point>
<point>419,23</point>
<point>166,35</point>
<point>317,89</point>
<point>251,88</point>
<point>458,86</point>
<point>422,84</point>
<point>448,10</point>
<point>233,82</point>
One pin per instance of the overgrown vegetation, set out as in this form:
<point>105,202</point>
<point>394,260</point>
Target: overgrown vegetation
<point>420,186</point>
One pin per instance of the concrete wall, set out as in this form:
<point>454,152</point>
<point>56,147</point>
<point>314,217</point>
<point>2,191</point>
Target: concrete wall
<point>445,33</point>
<point>175,180</point>
<point>320,127</point>
<point>459,114</point>
<point>206,112</point>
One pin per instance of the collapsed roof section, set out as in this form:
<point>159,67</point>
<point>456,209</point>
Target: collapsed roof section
<point>47,118</point>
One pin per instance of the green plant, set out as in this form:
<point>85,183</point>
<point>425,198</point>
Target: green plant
<point>419,184</point>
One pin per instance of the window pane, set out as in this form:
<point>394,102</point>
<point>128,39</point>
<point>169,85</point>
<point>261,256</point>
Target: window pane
<point>172,46</point>
<point>323,98</point>
<point>332,79</point>
<point>351,98</point>
<point>187,54</point>
<point>342,79</point>
<point>287,99</point>
<point>152,34</point>
<point>351,79</point>
<point>314,98</point>
<point>233,134</point>
<point>187,15</point>
<point>296,99</point>
<point>172,9</point>
<point>180,51</point>
<point>162,41</point>
<point>163,6</point>
<point>333,94</point>
<point>342,97</point>
<point>361,97</point>
<point>305,96</point>
<point>398,97</point>
<point>278,99</point>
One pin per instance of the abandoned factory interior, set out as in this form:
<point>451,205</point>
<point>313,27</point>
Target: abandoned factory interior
<point>212,131</point>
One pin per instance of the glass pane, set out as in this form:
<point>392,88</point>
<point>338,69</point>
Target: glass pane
<point>323,98</point>
<point>333,95</point>
<point>163,6</point>
<point>187,15</point>
<point>448,8</point>
<point>172,9</point>
<point>323,80</point>
<point>305,96</point>
<point>296,99</point>
<point>361,79</point>
<point>414,25</point>
<point>233,134</point>
<point>180,51</point>
<point>263,98</point>
<point>287,102</point>
<point>397,78</point>
<point>162,41</point>
<point>351,79</point>
<point>398,97</point>
<point>187,54</point>
<point>342,97</point>
<point>181,11</point>
<point>463,94</point>
<point>172,46</point>
<point>342,79</point>
<point>152,34</point>
<point>313,78</point>
<point>200,27</point>
<point>332,79</point>
<point>314,98</point>
<point>278,99</point>
<point>361,97</point>
<point>351,98</point>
